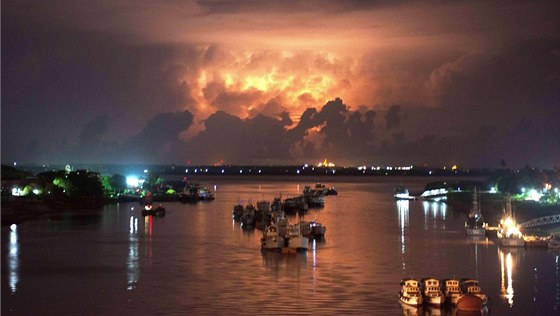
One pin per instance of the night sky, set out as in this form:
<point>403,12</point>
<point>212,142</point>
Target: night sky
<point>472,83</point>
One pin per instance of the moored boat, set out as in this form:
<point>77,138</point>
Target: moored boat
<point>313,229</point>
<point>237,211</point>
<point>475,225</point>
<point>410,293</point>
<point>271,239</point>
<point>508,233</point>
<point>431,291</point>
<point>469,303</point>
<point>295,240</point>
<point>471,286</point>
<point>451,290</point>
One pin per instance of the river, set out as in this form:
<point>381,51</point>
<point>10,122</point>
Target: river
<point>198,261</point>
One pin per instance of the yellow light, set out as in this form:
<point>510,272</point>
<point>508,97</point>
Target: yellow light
<point>454,167</point>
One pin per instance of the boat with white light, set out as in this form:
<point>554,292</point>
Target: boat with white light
<point>431,291</point>
<point>508,233</point>
<point>410,292</point>
<point>475,225</point>
<point>313,229</point>
<point>402,193</point>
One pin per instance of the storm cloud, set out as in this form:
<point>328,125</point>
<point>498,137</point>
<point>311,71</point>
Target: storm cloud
<point>437,83</point>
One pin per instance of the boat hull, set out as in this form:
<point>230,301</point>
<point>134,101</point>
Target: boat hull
<point>512,242</point>
<point>272,244</point>
<point>476,231</point>
<point>470,303</point>
<point>298,243</point>
<point>410,300</point>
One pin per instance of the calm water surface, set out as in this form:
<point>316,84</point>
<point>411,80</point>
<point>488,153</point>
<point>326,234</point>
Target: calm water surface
<point>196,260</point>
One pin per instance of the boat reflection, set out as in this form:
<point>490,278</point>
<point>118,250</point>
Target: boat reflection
<point>506,268</point>
<point>13,259</point>
<point>133,266</point>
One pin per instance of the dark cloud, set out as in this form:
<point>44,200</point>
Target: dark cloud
<point>392,117</point>
<point>160,134</point>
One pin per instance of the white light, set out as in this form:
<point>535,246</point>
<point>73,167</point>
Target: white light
<point>297,171</point>
<point>523,190</point>
<point>145,170</point>
<point>36,191</point>
<point>222,170</point>
<point>13,227</point>
<point>206,170</point>
<point>186,170</point>
<point>132,181</point>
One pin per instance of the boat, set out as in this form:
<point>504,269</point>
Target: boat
<point>401,193</point>
<point>249,214</point>
<point>237,211</point>
<point>475,225</point>
<point>508,233</point>
<point>471,286</point>
<point>536,241</point>
<point>469,303</point>
<point>313,229</point>
<point>271,239</point>
<point>431,291</point>
<point>194,192</point>
<point>410,293</point>
<point>149,210</point>
<point>326,191</point>
<point>295,240</point>
<point>314,197</point>
<point>451,290</point>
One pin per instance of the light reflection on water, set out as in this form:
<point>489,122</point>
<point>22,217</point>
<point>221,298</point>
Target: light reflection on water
<point>13,259</point>
<point>197,260</point>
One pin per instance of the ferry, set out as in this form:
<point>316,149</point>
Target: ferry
<point>451,290</point>
<point>271,239</point>
<point>431,291</point>
<point>410,293</point>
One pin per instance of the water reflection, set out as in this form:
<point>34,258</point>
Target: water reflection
<point>506,267</point>
<point>403,209</point>
<point>13,259</point>
<point>133,267</point>
<point>432,212</point>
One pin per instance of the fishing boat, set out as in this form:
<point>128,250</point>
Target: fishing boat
<point>475,225</point>
<point>312,229</point>
<point>249,214</point>
<point>410,293</point>
<point>508,233</point>
<point>271,239</point>
<point>451,290</point>
<point>295,240</point>
<point>237,211</point>
<point>471,286</point>
<point>431,291</point>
